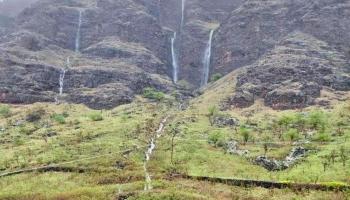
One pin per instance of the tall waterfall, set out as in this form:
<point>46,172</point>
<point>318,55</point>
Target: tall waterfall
<point>77,38</point>
<point>206,60</point>
<point>174,59</point>
<point>182,12</point>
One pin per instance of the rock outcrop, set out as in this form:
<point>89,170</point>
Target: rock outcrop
<point>232,148</point>
<point>224,120</point>
<point>293,74</point>
<point>276,165</point>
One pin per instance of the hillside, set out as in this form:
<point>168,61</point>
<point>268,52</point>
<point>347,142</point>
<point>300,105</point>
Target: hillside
<point>176,99</point>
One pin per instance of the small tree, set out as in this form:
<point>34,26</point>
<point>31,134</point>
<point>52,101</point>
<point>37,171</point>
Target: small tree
<point>245,133</point>
<point>339,125</point>
<point>343,155</point>
<point>292,135</point>
<point>333,156</point>
<point>174,131</point>
<point>284,123</point>
<point>317,120</point>
<point>212,112</point>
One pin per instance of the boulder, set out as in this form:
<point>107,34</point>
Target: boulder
<point>232,148</point>
<point>224,120</point>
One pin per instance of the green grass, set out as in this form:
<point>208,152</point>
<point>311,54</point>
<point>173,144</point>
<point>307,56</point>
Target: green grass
<point>74,135</point>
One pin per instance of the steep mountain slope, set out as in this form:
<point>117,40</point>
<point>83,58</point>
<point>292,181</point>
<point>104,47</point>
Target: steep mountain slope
<point>131,40</point>
<point>118,56</point>
<point>293,74</point>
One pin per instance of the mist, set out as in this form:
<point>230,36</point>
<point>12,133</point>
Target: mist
<point>11,8</point>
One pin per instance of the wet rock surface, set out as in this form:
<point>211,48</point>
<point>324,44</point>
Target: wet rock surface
<point>293,74</point>
<point>289,60</point>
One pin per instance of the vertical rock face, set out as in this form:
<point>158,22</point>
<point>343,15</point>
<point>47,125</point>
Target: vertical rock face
<point>130,38</point>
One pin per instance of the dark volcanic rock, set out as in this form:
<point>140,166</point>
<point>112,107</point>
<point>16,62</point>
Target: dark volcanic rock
<point>287,45</point>
<point>293,74</point>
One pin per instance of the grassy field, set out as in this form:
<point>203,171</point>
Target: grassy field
<point>104,150</point>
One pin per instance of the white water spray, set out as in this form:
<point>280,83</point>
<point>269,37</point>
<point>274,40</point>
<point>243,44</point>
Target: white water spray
<point>206,60</point>
<point>61,79</point>
<point>174,59</point>
<point>62,75</point>
<point>183,12</point>
<point>77,38</point>
<point>149,152</point>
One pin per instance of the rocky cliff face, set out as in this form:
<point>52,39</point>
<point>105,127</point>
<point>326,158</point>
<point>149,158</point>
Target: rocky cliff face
<point>293,74</point>
<point>291,49</point>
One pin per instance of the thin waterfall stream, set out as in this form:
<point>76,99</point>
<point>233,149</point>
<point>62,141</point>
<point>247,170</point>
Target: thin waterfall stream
<point>149,152</point>
<point>78,35</point>
<point>61,79</point>
<point>183,4</point>
<point>174,59</point>
<point>206,60</point>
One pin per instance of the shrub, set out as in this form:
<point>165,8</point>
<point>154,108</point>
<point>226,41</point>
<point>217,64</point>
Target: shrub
<point>323,137</point>
<point>292,134</point>
<point>5,111</point>
<point>27,129</point>
<point>217,139</point>
<point>212,112</point>
<point>59,118</point>
<point>35,115</point>
<point>317,120</point>
<point>96,116</point>
<point>245,133</point>
<point>215,77</point>
<point>152,93</point>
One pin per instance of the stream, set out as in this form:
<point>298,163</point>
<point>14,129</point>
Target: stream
<point>149,152</point>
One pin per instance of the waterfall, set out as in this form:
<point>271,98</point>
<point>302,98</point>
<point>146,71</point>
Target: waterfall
<point>183,12</point>
<point>206,60</point>
<point>149,152</point>
<point>61,79</point>
<point>77,38</point>
<point>174,59</point>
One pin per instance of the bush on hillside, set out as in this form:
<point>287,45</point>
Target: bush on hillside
<point>59,118</point>
<point>5,111</point>
<point>215,77</point>
<point>35,114</point>
<point>217,139</point>
<point>152,93</point>
<point>96,116</point>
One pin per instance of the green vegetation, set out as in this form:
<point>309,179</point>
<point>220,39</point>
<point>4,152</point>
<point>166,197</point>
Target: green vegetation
<point>95,116</point>
<point>59,118</point>
<point>215,77</point>
<point>44,134</point>
<point>217,139</point>
<point>153,94</point>
<point>5,111</point>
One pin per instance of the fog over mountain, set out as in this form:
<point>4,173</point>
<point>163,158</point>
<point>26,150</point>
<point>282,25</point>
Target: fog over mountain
<point>11,8</point>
